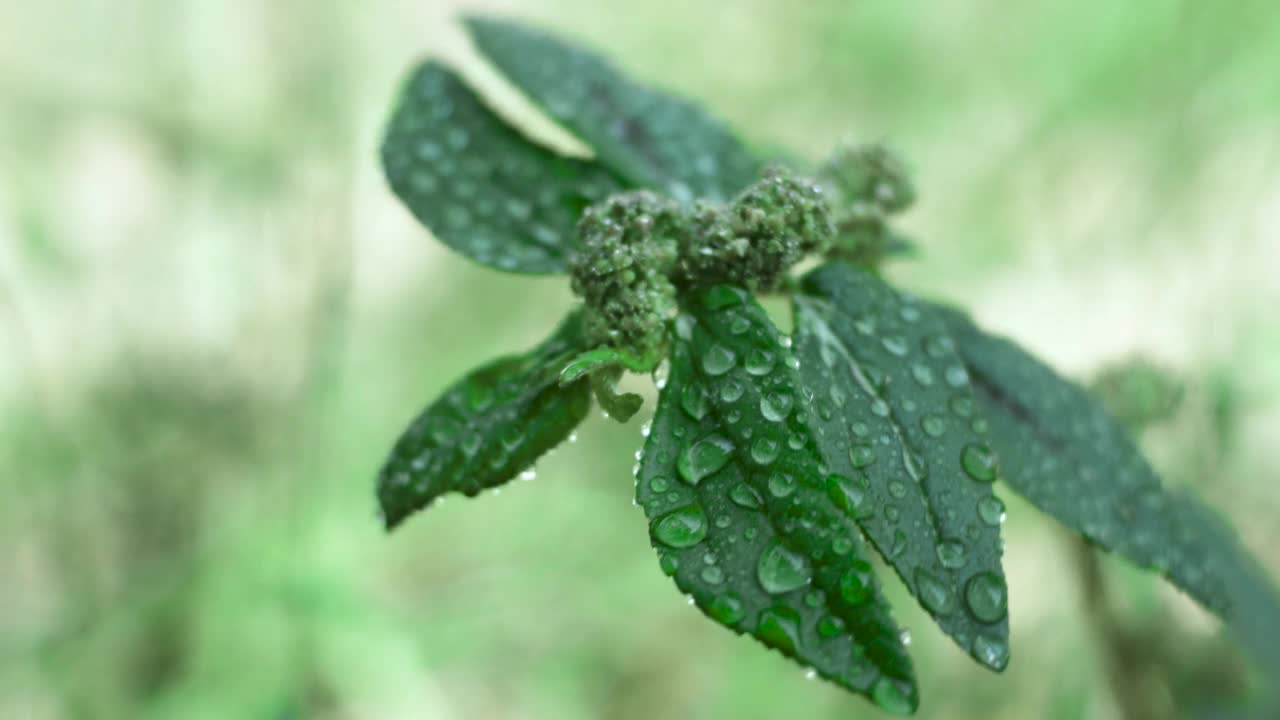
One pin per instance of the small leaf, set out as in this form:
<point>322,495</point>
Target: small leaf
<point>486,428</point>
<point>481,187</point>
<point>1065,454</point>
<point>896,421</point>
<point>733,486</point>
<point>651,138</point>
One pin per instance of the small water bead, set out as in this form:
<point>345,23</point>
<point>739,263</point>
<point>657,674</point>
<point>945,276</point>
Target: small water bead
<point>723,521</point>
<point>796,441</point>
<point>813,599</point>
<point>895,344</point>
<point>718,360</point>
<point>891,698</point>
<point>830,626</point>
<point>859,429</point>
<point>933,425</point>
<point>759,362</point>
<point>704,458</point>
<point>781,570</point>
<point>892,514</point>
<point>712,575</point>
<point>746,496</point>
<point>880,408</point>
<point>935,596</point>
<point>862,455</point>
<point>659,485</point>
<point>841,545</point>
<point>750,534</point>
<point>991,510</point>
<point>848,495</point>
<point>857,583</point>
<point>897,489</point>
<point>922,374</point>
<point>731,390</point>
<point>938,346</point>
<point>957,376</point>
<point>899,545</point>
<point>979,462</point>
<point>669,564</point>
<point>962,406</point>
<point>779,627</point>
<point>765,450</point>
<point>980,426</point>
<point>776,406</point>
<point>909,313</point>
<point>781,485</point>
<point>865,324</point>
<point>726,609</point>
<point>739,325</point>
<point>904,637</point>
<point>986,597</point>
<point>952,554</point>
<point>682,528</point>
<point>991,651</point>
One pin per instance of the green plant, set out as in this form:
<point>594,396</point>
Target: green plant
<point>773,460</point>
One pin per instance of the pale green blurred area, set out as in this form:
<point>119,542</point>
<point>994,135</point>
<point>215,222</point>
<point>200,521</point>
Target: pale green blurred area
<point>215,318</point>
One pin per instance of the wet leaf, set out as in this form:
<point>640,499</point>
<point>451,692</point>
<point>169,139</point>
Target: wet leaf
<point>652,138</point>
<point>487,427</point>
<point>736,495</point>
<point>1060,449</point>
<point>480,186</point>
<point>895,418</point>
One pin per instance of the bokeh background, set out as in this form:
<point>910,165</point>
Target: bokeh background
<point>215,318</point>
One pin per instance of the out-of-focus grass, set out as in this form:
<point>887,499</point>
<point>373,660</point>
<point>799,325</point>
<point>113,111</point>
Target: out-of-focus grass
<point>214,319</point>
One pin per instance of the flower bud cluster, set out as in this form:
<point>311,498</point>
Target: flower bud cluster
<point>868,185</point>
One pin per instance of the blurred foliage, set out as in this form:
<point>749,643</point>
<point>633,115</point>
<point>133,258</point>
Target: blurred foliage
<point>214,315</point>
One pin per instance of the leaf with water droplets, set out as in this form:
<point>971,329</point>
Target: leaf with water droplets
<point>893,414</point>
<point>1060,449</point>
<point>650,137</point>
<point>487,427</point>
<point>737,501</point>
<point>480,186</point>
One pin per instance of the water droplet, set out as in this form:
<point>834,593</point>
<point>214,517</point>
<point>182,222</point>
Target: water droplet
<point>718,360</point>
<point>694,401</point>
<point>776,406</point>
<point>731,390</point>
<point>726,609</point>
<point>746,496</point>
<point>841,545</point>
<point>830,626</point>
<point>957,376</point>
<point>986,597</point>
<point>848,495</point>
<point>879,408</point>
<point>891,697</point>
<point>991,510</point>
<point>669,564</point>
<point>857,583</point>
<point>781,485</point>
<point>979,462</point>
<point>682,528</point>
<point>704,458</point>
<point>935,596</point>
<point>991,651</point>
<point>862,455</point>
<point>962,406</point>
<point>659,485</point>
<point>897,489</point>
<point>895,344</point>
<point>759,362</point>
<point>779,627</point>
<point>712,575</point>
<point>922,374</point>
<point>719,297</point>
<point>765,450</point>
<point>933,425</point>
<point>952,554</point>
<point>781,570</point>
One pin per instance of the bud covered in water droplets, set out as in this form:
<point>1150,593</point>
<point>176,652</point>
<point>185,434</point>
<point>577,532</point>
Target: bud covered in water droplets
<point>626,249</point>
<point>753,241</point>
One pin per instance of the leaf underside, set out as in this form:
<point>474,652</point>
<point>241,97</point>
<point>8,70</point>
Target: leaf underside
<point>481,187</point>
<point>1065,454</point>
<point>731,481</point>
<point>487,427</point>
<point>894,412</point>
<point>650,137</point>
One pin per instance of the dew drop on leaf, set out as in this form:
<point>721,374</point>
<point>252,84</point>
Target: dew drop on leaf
<point>991,651</point>
<point>779,627</point>
<point>726,609</point>
<point>746,496</point>
<point>718,360</point>
<point>979,462</point>
<point>951,553</point>
<point>682,528</point>
<point>781,570</point>
<point>933,594</point>
<point>986,597</point>
<point>991,510</point>
<point>856,583</point>
<point>704,458</point>
<point>890,697</point>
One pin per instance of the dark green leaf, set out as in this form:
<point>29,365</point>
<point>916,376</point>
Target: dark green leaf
<point>895,417</point>
<point>483,188</point>
<point>487,427</point>
<point>736,495</point>
<point>1065,454</point>
<point>652,138</point>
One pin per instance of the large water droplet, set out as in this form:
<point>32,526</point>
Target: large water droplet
<point>704,458</point>
<point>862,455</point>
<point>779,627</point>
<point>935,596</point>
<point>731,390</point>
<point>765,450</point>
<point>991,651</point>
<point>986,597</point>
<point>746,496</point>
<point>726,609</point>
<point>857,583</point>
<point>991,510</point>
<point>718,360</point>
<point>781,485</point>
<point>979,462</point>
<point>682,528</point>
<point>776,406</point>
<point>891,696</point>
<point>781,570</point>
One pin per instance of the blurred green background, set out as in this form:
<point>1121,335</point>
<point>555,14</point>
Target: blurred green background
<point>215,318</point>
